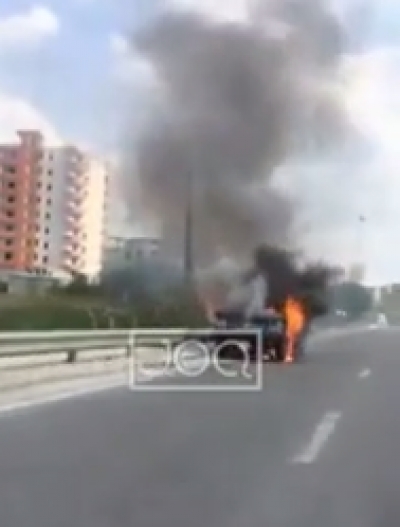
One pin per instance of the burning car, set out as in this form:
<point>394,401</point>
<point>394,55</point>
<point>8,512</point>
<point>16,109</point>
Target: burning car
<point>282,333</point>
<point>276,296</point>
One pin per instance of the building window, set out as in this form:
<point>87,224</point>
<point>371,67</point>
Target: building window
<point>47,230</point>
<point>11,199</point>
<point>49,202</point>
<point>45,259</point>
<point>9,242</point>
<point>46,245</point>
<point>49,187</point>
<point>49,172</point>
<point>48,216</point>
<point>8,256</point>
<point>11,184</point>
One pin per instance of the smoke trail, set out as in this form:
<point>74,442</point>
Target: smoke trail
<point>277,274</point>
<point>287,277</point>
<point>237,101</point>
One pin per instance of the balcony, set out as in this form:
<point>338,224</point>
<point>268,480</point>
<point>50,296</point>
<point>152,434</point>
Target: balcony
<point>69,233</point>
<point>70,264</point>
<point>10,220</point>
<point>72,225</point>
<point>4,247</point>
<point>73,205</point>
<point>73,216</point>
<point>75,176</point>
<point>76,195</point>
<point>73,191</point>
<point>71,251</point>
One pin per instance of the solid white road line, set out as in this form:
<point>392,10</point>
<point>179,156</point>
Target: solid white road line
<point>322,432</point>
<point>364,373</point>
<point>60,396</point>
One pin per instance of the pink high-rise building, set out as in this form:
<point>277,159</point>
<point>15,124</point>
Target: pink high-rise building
<point>54,221</point>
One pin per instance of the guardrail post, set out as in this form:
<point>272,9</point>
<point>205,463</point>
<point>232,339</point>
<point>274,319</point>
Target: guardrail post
<point>71,356</point>
<point>131,344</point>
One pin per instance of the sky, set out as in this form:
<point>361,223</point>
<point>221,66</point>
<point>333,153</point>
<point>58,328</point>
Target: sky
<point>65,68</point>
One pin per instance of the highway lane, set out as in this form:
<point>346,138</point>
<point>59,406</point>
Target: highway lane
<point>318,446</point>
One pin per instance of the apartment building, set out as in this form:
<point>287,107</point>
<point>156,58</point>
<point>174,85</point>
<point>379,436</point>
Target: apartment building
<point>58,208</point>
<point>121,252</point>
<point>59,188</point>
<point>19,170</point>
<point>71,212</point>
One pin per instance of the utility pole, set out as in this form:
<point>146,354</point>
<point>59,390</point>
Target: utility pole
<point>188,262</point>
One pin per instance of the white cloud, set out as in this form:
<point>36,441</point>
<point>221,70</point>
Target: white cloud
<point>27,29</point>
<point>17,114</point>
<point>219,10</point>
<point>374,104</point>
<point>119,44</point>
<point>373,97</point>
<point>22,31</point>
<point>368,183</point>
<point>129,67</point>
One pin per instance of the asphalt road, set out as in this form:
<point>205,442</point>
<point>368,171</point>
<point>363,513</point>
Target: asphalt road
<point>318,446</point>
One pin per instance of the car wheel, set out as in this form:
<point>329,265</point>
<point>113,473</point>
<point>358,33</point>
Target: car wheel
<point>280,353</point>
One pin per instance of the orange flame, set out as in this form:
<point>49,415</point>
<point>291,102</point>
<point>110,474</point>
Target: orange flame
<point>295,319</point>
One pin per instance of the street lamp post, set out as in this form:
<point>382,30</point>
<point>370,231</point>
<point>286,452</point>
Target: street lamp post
<point>360,256</point>
<point>361,222</point>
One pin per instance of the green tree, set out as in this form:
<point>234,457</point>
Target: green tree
<point>351,297</point>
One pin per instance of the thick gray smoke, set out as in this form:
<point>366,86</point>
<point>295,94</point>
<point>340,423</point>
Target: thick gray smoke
<point>238,100</point>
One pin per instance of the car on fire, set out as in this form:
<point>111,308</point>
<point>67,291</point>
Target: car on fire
<point>281,336</point>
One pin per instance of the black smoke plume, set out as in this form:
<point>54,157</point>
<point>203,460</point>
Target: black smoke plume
<point>287,277</point>
<point>235,101</point>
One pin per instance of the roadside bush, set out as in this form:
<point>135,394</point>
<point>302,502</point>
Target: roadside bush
<point>174,308</point>
<point>353,298</point>
<point>44,317</point>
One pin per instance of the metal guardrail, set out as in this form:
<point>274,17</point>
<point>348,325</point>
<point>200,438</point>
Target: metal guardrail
<point>71,343</point>
<point>19,344</point>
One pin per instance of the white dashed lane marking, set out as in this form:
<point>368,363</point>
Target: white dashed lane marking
<point>322,432</point>
<point>364,373</point>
